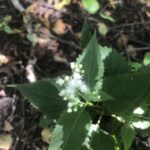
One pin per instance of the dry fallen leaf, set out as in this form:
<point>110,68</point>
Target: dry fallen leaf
<point>131,51</point>
<point>3,59</point>
<point>2,93</point>
<point>122,41</point>
<point>60,27</point>
<point>102,28</point>
<point>60,59</point>
<point>148,14</point>
<point>7,126</point>
<point>62,4</point>
<point>46,135</point>
<point>6,141</point>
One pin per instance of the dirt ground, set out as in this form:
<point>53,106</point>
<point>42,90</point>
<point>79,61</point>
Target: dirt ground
<point>43,40</point>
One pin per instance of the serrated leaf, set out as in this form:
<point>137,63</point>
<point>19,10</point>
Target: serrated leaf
<point>91,6</point>
<point>126,91</point>
<point>105,51</point>
<point>70,132</point>
<point>92,63</point>
<point>116,64</point>
<point>102,141</point>
<point>44,96</point>
<point>128,134</point>
<point>85,34</point>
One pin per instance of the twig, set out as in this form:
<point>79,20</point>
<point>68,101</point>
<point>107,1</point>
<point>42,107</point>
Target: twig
<point>129,24</point>
<point>142,48</point>
<point>66,42</point>
<point>18,5</point>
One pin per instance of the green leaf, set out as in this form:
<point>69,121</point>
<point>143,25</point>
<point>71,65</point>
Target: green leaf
<point>105,51</point>
<point>112,126</point>
<point>135,66</point>
<point>102,141</point>
<point>128,134</point>
<point>147,58</point>
<point>85,34</point>
<point>70,132</point>
<point>91,6</point>
<point>84,148</point>
<point>92,63</point>
<point>102,28</point>
<point>145,69</point>
<point>126,91</point>
<point>7,29</point>
<point>110,18</point>
<point>44,96</point>
<point>44,122</point>
<point>32,38</point>
<point>116,64</point>
<point>105,96</point>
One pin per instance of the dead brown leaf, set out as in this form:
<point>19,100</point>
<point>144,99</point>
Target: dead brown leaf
<point>122,41</point>
<point>7,126</point>
<point>60,27</point>
<point>6,141</point>
<point>4,59</point>
<point>46,135</point>
<point>131,51</point>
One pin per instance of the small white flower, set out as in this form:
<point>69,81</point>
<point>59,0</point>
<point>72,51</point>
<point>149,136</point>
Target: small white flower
<point>70,91</point>
<point>72,96</point>
<point>98,97</point>
<point>83,88</point>
<point>67,78</point>
<point>94,92</point>
<point>69,110</point>
<point>77,70</point>
<point>65,98</point>
<point>70,104</point>
<point>139,111</point>
<point>60,81</point>
<point>81,104</point>
<point>141,124</point>
<point>93,128</point>
<point>77,76</point>
<point>75,109</point>
<point>72,65</point>
<point>72,83</point>
<point>76,99</point>
<point>62,93</point>
<point>80,66</point>
<point>82,71</point>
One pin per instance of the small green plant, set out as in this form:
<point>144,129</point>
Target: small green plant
<point>101,106</point>
<point>4,25</point>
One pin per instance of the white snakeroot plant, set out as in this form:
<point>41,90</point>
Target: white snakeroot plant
<point>104,87</point>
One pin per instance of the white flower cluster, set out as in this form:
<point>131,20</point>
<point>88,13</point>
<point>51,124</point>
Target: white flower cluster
<point>71,86</point>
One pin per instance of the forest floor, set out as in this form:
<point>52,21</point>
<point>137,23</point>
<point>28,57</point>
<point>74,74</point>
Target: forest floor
<point>39,38</point>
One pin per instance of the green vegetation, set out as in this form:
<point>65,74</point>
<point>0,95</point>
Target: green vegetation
<point>102,85</point>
